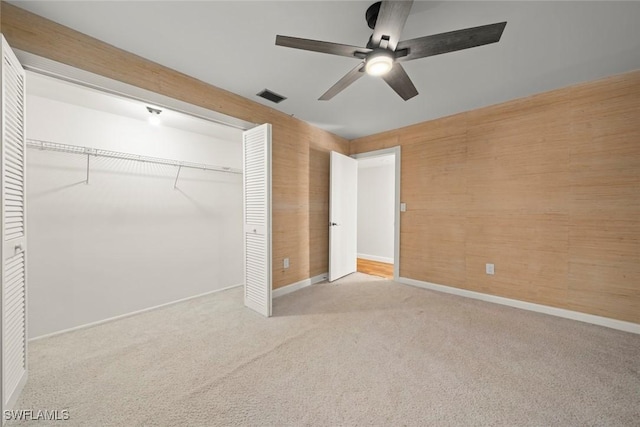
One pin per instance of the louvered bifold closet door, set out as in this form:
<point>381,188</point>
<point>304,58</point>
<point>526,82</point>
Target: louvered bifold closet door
<point>14,295</point>
<point>256,153</point>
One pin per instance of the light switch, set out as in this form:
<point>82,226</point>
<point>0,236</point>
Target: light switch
<point>403,207</point>
<point>285,264</point>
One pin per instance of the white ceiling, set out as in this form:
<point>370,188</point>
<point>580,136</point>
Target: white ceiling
<point>546,45</point>
<point>62,91</point>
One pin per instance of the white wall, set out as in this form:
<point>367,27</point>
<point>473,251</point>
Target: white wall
<point>376,186</point>
<point>128,240</point>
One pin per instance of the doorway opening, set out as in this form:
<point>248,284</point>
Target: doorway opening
<point>191,137</point>
<point>378,242</point>
<point>125,213</point>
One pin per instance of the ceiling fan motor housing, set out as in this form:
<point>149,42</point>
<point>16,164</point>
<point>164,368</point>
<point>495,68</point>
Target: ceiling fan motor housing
<point>371,15</point>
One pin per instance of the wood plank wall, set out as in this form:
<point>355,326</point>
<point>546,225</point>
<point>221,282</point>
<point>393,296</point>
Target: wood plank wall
<point>546,187</point>
<point>300,151</point>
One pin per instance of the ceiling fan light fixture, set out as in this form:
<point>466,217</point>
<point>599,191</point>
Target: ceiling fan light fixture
<point>379,63</point>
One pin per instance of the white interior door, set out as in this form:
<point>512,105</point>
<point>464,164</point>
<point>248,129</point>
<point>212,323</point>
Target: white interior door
<point>343,216</point>
<point>14,249</point>
<point>256,154</point>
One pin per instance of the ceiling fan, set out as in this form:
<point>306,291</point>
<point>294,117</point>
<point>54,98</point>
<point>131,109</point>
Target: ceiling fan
<point>385,52</point>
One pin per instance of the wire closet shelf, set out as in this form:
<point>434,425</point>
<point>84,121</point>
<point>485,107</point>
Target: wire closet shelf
<point>95,152</point>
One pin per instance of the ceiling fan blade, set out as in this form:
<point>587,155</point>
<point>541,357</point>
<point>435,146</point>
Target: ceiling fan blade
<point>399,81</point>
<point>390,23</point>
<point>343,83</point>
<point>322,47</point>
<point>449,42</point>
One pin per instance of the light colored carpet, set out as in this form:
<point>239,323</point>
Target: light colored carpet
<point>360,351</point>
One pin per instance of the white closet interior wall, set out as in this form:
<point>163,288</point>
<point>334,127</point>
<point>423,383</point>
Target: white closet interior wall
<point>128,240</point>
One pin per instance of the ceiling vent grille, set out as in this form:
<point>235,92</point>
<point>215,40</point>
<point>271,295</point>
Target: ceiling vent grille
<point>271,96</point>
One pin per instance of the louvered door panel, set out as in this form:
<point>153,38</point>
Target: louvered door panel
<point>256,270</point>
<point>14,256</point>
<point>13,147</point>
<point>257,218</point>
<point>14,321</point>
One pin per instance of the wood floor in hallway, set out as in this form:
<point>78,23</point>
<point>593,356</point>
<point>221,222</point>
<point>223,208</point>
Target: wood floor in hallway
<point>375,268</point>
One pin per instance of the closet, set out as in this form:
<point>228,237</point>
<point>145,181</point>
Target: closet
<point>125,215</point>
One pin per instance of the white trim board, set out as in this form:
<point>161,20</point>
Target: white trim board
<point>376,258</point>
<point>539,308</point>
<point>133,313</point>
<point>284,290</point>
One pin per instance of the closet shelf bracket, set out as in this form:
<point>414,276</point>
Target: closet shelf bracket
<point>89,152</point>
<point>175,184</point>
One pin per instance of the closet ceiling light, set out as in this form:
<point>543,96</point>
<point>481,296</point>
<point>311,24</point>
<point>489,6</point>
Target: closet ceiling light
<point>154,118</point>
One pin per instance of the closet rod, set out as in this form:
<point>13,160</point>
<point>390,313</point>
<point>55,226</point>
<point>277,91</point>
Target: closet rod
<point>75,149</point>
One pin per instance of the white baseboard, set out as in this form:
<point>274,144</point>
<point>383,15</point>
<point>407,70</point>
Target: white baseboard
<point>376,258</point>
<point>284,290</point>
<point>133,313</point>
<point>553,311</point>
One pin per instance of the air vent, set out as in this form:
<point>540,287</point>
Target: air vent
<point>271,96</point>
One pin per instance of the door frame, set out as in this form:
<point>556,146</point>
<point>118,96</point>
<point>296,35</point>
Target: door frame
<point>396,220</point>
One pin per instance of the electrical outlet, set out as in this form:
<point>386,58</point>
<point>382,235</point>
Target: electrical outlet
<point>490,269</point>
<point>285,263</point>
